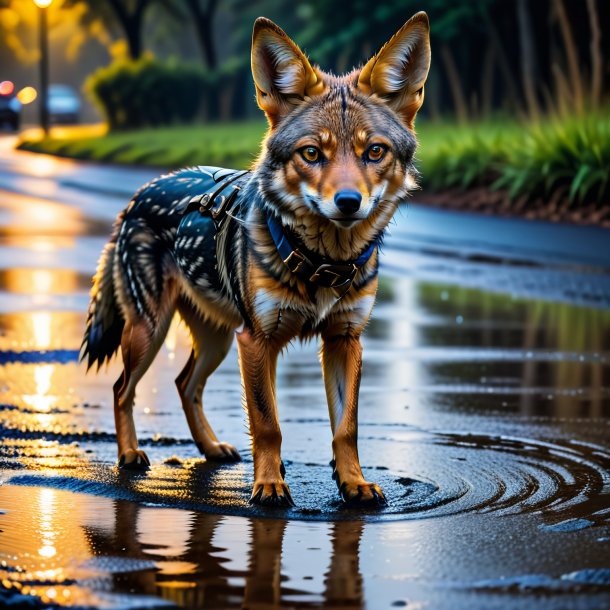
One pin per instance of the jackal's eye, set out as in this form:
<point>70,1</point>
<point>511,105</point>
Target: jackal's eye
<point>375,153</point>
<point>311,154</point>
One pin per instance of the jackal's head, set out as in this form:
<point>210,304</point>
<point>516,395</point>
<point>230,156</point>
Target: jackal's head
<point>340,148</point>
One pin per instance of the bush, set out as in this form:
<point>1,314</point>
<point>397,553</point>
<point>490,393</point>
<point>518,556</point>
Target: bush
<point>133,94</point>
<point>560,158</point>
<point>569,157</point>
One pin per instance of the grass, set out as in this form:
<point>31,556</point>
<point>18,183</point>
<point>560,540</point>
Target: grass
<point>230,145</point>
<point>567,159</point>
<point>560,159</point>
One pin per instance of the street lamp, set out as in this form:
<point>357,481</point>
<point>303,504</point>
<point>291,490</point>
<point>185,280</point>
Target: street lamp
<point>43,5</point>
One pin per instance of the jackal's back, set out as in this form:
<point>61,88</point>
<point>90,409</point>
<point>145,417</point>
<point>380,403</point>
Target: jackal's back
<point>135,265</point>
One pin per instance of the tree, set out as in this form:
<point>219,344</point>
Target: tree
<point>528,57</point>
<point>596,54</point>
<point>128,14</point>
<point>571,53</point>
<point>203,17</point>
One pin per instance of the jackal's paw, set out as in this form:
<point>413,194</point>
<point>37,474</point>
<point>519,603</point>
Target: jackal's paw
<point>362,494</point>
<point>134,459</point>
<point>220,452</point>
<point>271,494</point>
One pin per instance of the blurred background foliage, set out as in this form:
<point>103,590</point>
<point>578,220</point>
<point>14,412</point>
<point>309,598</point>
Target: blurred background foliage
<point>516,100</point>
<point>519,56</point>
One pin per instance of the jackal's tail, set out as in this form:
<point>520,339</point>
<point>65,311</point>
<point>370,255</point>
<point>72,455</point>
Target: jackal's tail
<point>104,318</point>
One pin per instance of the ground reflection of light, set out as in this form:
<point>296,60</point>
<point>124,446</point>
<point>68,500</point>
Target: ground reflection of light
<point>42,281</point>
<point>42,401</point>
<point>47,501</point>
<point>41,166</point>
<point>47,551</point>
<point>403,372</point>
<point>41,322</point>
<point>172,338</point>
<point>43,245</point>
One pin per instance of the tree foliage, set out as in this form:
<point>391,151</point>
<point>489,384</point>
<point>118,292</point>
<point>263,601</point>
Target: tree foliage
<point>522,57</point>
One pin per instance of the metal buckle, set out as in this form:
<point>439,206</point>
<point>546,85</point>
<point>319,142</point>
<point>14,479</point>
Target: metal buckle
<point>196,198</point>
<point>220,208</point>
<point>334,276</point>
<point>294,255</point>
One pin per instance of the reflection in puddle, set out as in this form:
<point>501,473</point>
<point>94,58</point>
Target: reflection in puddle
<point>41,401</point>
<point>43,281</point>
<point>113,548</point>
<point>81,550</point>
<point>39,330</point>
<point>444,339</point>
<point>21,215</point>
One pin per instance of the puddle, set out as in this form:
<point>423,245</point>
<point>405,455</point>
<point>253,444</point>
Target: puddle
<point>484,415</point>
<point>568,485</point>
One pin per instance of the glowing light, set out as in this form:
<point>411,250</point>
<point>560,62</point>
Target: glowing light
<point>6,87</point>
<point>42,3</point>
<point>27,95</point>
<point>42,401</point>
<point>41,321</point>
<point>46,245</point>
<point>47,502</point>
<point>51,593</point>
<point>41,166</point>
<point>42,281</point>
<point>42,377</point>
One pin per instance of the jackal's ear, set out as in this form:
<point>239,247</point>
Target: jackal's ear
<point>398,72</point>
<point>282,74</point>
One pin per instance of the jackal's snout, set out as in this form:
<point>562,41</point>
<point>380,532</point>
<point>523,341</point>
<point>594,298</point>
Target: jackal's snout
<point>348,201</point>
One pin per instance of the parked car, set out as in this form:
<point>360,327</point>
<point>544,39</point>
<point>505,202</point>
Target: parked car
<point>9,106</point>
<point>64,104</point>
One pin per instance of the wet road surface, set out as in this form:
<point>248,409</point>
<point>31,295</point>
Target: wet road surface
<point>485,416</point>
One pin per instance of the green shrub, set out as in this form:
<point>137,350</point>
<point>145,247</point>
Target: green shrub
<point>560,158</point>
<point>464,156</point>
<point>568,157</point>
<point>133,94</point>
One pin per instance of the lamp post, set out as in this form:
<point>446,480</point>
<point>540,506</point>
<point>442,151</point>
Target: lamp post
<point>43,5</point>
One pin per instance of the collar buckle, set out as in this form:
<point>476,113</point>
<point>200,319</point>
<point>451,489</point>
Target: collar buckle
<point>294,261</point>
<point>334,275</point>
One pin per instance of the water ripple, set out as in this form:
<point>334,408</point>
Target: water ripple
<point>565,483</point>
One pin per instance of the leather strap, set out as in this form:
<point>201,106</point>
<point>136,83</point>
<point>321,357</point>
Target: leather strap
<point>310,268</point>
<point>218,202</point>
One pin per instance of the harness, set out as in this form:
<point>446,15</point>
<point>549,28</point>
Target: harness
<point>207,215</point>
<point>313,269</point>
<point>219,200</point>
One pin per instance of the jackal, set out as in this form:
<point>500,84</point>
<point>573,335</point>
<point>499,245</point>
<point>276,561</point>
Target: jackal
<point>286,250</point>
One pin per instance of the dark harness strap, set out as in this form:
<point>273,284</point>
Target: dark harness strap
<point>206,214</point>
<point>311,268</point>
<point>218,203</point>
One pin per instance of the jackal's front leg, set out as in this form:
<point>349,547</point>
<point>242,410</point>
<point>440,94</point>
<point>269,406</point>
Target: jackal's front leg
<point>341,357</point>
<point>257,361</point>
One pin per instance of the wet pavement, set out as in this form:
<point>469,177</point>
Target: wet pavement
<point>484,415</point>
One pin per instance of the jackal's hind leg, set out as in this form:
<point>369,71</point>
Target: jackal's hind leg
<point>210,346</point>
<point>139,346</point>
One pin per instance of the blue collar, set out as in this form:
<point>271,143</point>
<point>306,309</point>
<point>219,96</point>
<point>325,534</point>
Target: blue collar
<point>310,267</point>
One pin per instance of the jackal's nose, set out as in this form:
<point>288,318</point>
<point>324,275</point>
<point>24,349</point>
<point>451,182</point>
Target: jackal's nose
<point>348,202</point>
